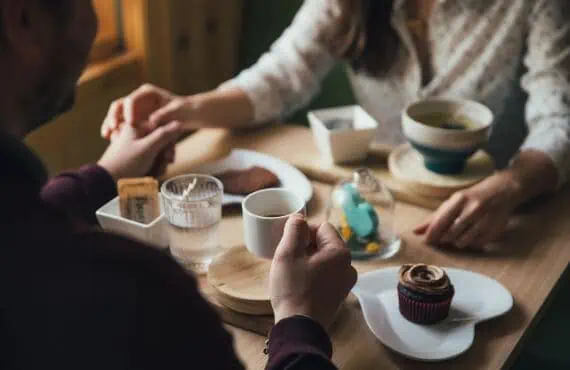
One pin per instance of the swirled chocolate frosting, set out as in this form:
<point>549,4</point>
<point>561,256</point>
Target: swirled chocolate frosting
<point>426,279</point>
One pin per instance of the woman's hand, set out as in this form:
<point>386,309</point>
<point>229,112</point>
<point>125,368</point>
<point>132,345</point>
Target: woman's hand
<point>476,216</point>
<point>479,215</point>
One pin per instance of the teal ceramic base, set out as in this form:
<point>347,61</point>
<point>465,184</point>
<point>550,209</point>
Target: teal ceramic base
<point>445,167</point>
<point>442,161</point>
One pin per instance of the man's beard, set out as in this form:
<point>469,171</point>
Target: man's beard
<point>54,95</point>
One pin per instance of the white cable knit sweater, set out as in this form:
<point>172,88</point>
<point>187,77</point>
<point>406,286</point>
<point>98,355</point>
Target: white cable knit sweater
<point>493,51</point>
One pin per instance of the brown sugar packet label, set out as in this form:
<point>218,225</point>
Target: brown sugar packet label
<point>138,199</point>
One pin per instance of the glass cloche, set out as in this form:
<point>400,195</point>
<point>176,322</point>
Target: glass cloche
<point>362,210</point>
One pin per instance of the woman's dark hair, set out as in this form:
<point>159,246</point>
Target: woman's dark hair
<point>365,37</point>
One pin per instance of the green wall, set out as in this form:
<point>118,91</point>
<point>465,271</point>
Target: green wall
<point>264,21</point>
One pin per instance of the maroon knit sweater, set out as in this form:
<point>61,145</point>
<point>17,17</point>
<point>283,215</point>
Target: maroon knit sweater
<point>73,297</point>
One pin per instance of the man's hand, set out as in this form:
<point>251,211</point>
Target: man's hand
<point>311,273</point>
<point>132,155</point>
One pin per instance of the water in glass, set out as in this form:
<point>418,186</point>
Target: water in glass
<point>193,219</point>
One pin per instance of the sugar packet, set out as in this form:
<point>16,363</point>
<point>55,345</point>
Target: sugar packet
<point>138,199</point>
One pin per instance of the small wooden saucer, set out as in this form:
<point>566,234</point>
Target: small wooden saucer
<point>241,281</point>
<point>407,166</point>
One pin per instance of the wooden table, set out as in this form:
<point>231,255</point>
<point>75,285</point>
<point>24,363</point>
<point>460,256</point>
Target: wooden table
<point>530,261</point>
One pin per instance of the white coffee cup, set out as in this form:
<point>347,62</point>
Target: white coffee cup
<point>265,213</point>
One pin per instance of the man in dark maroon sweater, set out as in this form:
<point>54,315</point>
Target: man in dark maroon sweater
<point>72,297</point>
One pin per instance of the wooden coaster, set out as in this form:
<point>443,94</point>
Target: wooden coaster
<point>407,166</point>
<point>241,281</point>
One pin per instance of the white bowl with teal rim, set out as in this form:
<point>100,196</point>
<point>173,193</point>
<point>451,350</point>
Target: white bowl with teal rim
<point>446,132</point>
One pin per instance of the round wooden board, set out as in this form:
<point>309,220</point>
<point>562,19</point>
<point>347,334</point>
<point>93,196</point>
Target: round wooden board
<point>241,281</point>
<point>407,166</point>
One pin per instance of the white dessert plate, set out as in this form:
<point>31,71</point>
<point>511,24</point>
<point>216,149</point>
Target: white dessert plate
<point>289,176</point>
<point>477,298</point>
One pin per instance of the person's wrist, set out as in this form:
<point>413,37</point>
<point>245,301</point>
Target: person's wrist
<point>113,170</point>
<point>513,187</point>
<point>197,105</point>
<point>285,311</point>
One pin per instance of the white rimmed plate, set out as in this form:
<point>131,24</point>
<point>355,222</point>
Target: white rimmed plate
<point>289,176</point>
<point>477,298</point>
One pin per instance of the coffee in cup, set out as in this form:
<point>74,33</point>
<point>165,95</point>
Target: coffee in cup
<point>265,213</point>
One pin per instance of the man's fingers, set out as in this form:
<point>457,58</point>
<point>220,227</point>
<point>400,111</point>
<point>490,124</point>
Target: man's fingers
<point>113,120</point>
<point>444,217</point>
<point>327,236</point>
<point>352,277</point>
<point>162,137</point>
<point>296,238</point>
<point>330,246</point>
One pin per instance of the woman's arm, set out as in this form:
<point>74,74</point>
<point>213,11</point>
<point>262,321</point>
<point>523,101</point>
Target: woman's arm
<point>283,79</point>
<point>547,83</point>
<point>479,215</point>
<point>288,76</point>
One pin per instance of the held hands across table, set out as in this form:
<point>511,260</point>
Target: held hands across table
<point>133,155</point>
<point>311,273</point>
<point>147,108</point>
<point>150,107</point>
<point>139,148</point>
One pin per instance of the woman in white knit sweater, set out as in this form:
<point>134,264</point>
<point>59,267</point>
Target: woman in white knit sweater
<point>493,51</point>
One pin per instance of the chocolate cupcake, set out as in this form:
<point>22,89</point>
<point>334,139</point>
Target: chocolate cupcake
<point>424,293</point>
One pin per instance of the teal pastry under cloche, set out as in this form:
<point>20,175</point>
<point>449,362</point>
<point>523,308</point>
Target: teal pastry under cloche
<point>360,215</point>
<point>362,211</point>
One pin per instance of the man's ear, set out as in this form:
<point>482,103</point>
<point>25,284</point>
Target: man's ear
<point>23,25</point>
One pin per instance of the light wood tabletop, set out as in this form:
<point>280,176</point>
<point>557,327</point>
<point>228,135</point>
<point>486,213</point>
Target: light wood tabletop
<point>529,261</point>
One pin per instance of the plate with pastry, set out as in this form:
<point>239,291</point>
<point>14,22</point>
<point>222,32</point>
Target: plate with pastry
<point>429,313</point>
<point>244,172</point>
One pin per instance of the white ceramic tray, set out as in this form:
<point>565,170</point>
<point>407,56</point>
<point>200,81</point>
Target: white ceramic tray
<point>109,217</point>
<point>290,177</point>
<point>477,298</point>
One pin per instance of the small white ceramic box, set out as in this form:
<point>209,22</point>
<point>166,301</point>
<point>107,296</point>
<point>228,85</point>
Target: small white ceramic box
<point>346,145</point>
<point>154,234</point>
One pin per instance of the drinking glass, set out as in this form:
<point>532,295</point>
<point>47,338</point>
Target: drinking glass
<point>193,208</point>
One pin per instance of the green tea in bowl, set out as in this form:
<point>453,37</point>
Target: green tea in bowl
<point>446,132</point>
<point>447,121</point>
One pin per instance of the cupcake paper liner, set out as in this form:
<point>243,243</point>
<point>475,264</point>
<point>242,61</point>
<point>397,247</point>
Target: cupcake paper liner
<point>424,313</point>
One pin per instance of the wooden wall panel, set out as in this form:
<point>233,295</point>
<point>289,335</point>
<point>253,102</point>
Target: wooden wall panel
<point>207,36</point>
